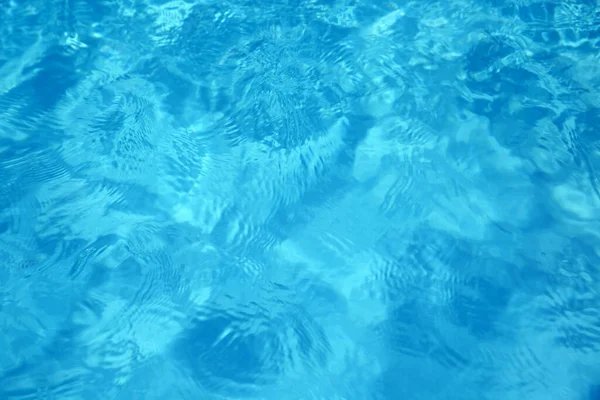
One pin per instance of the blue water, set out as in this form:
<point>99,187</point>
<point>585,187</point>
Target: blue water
<point>330,200</point>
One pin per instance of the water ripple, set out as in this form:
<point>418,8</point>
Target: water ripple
<point>249,346</point>
<point>333,200</point>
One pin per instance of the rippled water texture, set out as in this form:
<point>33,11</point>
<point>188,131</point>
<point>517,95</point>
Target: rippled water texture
<point>329,200</point>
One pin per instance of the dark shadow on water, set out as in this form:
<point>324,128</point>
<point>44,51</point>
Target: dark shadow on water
<point>594,392</point>
<point>236,357</point>
<point>248,347</point>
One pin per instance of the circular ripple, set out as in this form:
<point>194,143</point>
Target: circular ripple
<point>248,346</point>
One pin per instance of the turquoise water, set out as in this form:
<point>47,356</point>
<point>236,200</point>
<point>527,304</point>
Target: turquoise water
<point>329,200</point>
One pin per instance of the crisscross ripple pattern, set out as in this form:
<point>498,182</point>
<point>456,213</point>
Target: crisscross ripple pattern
<point>320,200</point>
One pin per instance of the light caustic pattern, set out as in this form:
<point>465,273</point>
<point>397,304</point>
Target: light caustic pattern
<point>299,200</point>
